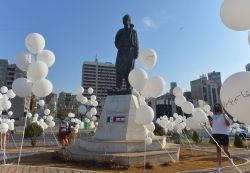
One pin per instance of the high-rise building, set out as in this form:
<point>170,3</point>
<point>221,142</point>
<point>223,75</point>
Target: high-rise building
<point>3,71</point>
<point>101,77</point>
<point>204,89</point>
<point>8,73</point>
<point>65,103</point>
<point>215,77</point>
<point>248,67</point>
<point>172,86</point>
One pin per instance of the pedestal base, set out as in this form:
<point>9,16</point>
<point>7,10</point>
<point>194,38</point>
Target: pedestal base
<point>154,157</point>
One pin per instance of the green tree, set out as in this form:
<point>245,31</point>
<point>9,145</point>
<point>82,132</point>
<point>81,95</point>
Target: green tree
<point>33,131</point>
<point>238,142</point>
<point>196,138</point>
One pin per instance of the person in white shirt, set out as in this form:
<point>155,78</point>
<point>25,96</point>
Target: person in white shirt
<point>220,123</point>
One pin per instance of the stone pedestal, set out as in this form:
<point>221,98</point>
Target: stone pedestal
<point>119,138</point>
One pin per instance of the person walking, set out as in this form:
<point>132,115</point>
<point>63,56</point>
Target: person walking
<point>220,123</point>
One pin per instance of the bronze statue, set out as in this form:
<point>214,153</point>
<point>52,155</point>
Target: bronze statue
<point>126,41</point>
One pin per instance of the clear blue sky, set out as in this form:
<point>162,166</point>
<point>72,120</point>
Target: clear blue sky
<point>188,36</point>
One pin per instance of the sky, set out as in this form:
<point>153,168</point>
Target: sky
<point>188,36</point>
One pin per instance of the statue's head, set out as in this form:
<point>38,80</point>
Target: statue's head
<point>126,20</point>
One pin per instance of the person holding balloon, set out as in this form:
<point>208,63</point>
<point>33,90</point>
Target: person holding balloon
<point>220,123</point>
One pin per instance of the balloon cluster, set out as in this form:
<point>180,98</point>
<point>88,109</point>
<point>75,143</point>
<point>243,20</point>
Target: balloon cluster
<point>75,122</point>
<point>5,96</point>
<point>177,123</point>
<point>6,124</point>
<point>145,87</point>
<point>35,63</point>
<point>88,107</point>
<point>45,122</point>
<point>199,115</point>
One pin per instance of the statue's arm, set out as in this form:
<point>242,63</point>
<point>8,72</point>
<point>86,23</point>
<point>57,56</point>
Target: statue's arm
<point>117,39</point>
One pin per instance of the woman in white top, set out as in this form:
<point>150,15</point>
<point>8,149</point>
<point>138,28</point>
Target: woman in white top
<point>220,123</point>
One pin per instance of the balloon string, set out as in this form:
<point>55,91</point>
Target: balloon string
<point>221,148</point>
<point>188,141</point>
<point>4,149</point>
<point>13,141</point>
<point>21,147</point>
<point>145,148</point>
<point>166,151</point>
<point>54,137</point>
<point>43,138</point>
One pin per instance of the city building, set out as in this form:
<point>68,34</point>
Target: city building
<point>101,77</point>
<point>204,89</point>
<point>215,77</point>
<point>165,105</point>
<point>66,103</point>
<point>172,86</point>
<point>8,73</point>
<point>248,67</point>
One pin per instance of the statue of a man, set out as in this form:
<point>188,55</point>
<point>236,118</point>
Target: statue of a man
<point>126,41</point>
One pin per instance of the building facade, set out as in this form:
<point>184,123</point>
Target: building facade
<point>8,73</point>
<point>204,89</point>
<point>101,77</point>
<point>172,86</point>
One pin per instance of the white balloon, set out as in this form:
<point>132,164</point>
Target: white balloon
<point>190,123</point>
<point>4,127</point>
<point>235,96</point>
<point>82,109</point>
<point>177,91</point>
<point>90,90</point>
<point>11,126</point>
<point>4,89</point>
<point>144,115</point>
<point>37,70</point>
<point>187,107</point>
<point>29,115</point>
<point>148,140</point>
<point>207,108</point>
<point>6,105</point>
<point>79,97</point>
<point>151,134</point>
<point>4,97</point>
<point>93,98</point>
<point>71,115</point>
<point>50,118</point>
<point>42,88</point>
<point>150,126</point>
<point>199,116</point>
<point>52,124</point>
<point>235,14</point>
<point>94,118</point>
<point>47,57</point>
<point>179,100</point>
<point>22,87</point>
<point>148,58</point>
<point>138,78</point>
<point>10,113</point>
<point>46,111</point>
<point>34,42</point>
<point>41,102</point>
<point>95,103</point>
<point>23,61</point>
<point>79,91</point>
<point>84,100</point>
<point>36,115</point>
<point>11,94</point>
<point>154,87</point>
<point>93,111</point>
